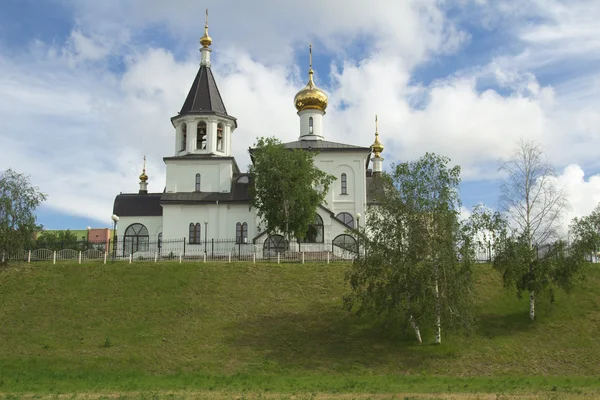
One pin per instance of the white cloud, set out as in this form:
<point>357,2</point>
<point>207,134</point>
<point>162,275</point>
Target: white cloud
<point>80,126</point>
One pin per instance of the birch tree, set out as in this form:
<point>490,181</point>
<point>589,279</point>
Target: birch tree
<point>534,207</point>
<point>416,267</point>
<point>286,187</point>
<point>18,201</point>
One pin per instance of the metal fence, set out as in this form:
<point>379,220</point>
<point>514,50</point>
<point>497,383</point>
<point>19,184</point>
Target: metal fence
<point>211,250</point>
<point>132,249</point>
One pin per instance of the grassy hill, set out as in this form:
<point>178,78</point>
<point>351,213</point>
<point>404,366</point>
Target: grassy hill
<point>274,329</point>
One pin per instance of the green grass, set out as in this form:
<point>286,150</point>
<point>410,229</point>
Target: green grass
<point>273,329</point>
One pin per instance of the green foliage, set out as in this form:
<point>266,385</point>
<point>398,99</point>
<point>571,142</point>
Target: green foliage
<point>286,188</point>
<point>414,242</point>
<point>18,201</point>
<point>58,240</point>
<point>540,269</point>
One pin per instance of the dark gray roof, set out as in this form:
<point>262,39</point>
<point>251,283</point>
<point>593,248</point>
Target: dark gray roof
<point>138,205</point>
<point>204,96</point>
<point>238,194</point>
<point>324,145</point>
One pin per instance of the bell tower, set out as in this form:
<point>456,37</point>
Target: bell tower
<point>203,125</point>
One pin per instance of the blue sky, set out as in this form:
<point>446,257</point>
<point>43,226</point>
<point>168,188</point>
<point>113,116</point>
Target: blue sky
<point>89,87</point>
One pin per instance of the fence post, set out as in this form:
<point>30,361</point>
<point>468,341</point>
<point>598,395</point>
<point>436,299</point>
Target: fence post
<point>2,256</point>
<point>229,256</point>
<point>155,256</point>
<point>327,257</point>
<point>28,256</point>
<point>79,257</point>
<point>184,246</point>
<point>130,258</point>
<point>180,257</point>
<point>54,258</point>
<point>278,259</point>
<point>105,257</point>
<point>212,247</point>
<point>254,258</point>
<point>302,257</point>
<point>204,258</point>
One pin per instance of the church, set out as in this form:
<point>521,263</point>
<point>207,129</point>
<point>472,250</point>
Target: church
<point>206,199</point>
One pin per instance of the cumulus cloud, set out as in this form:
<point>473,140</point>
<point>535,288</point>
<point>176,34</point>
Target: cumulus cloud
<point>80,115</point>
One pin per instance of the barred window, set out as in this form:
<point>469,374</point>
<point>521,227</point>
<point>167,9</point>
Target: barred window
<point>344,184</point>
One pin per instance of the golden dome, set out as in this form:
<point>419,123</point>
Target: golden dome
<point>377,147</point>
<point>143,176</point>
<point>206,40</point>
<point>311,97</point>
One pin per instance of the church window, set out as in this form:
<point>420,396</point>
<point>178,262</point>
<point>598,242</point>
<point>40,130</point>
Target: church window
<point>315,232</point>
<point>220,137</point>
<point>344,184</point>
<point>310,125</point>
<point>201,137</point>
<point>197,187</point>
<point>347,219</point>
<point>136,239</point>
<point>183,136</point>
<point>195,230</point>
<point>273,245</point>
<point>346,242</point>
<point>241,232</point>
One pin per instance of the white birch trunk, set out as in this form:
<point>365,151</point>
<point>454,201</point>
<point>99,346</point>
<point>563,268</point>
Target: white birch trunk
<point>532,305</point>
<point>416,329</point>
<point>438,319</point>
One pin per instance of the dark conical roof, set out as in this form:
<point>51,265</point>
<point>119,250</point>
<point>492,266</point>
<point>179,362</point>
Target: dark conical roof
<point>204,96</point>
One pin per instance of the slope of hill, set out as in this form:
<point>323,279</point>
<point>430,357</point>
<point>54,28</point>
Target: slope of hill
<point>145,326</point>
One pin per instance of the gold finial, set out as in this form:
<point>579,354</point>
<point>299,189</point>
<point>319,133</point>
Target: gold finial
<point>311,97</point>
<point>143,176</point>
<point>377,147</point>
<point>206,40</point>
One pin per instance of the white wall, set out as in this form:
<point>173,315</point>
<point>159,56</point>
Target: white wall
<point>221,218</point>
<point>353,165</point>
<point>153,224</point>
<point>215,175</point>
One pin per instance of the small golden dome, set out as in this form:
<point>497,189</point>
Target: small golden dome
<point>377,147</point>
<point>206,40</point>
<point>143,176</point>
<point>311,97</point>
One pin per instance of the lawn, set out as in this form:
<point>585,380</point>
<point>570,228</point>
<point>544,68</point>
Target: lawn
<point>274,330</point>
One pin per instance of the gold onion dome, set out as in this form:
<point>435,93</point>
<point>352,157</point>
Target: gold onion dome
<point>206,40</point>
<point>377,147</point>
<point>143,176</point>
<point>311,97</point>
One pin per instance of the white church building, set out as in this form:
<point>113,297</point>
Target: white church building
<point>205,198</point>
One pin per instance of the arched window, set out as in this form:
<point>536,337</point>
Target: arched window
<point>197,186</point>
<point>136,239</point>
<point>345,242</point>
<point>183,136</point>
<point>243,179</point>
<point>201,137</point>
<point>315,232</point>
<point>195,233</point>
<point>347,219</point>
<point>273,245</point>
<point>220,137</point>
<point>344,184</point>
<point>241,232</point>
<point>310,125</point>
